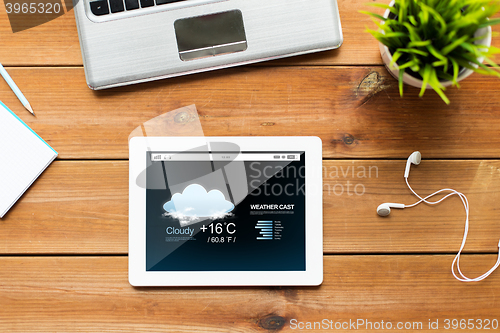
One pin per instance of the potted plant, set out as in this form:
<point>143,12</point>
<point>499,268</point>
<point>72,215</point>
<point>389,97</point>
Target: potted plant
<point>432,44</point>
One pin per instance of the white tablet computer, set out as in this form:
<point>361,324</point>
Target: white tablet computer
<point>225,211</point>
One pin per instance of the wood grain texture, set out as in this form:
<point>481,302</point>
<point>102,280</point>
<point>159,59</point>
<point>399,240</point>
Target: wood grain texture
<point>56,42</point>
<point>356,111</point>
<point>73,294</point>
<point>79,206</point>
<point>82,208</point>
<point>53,43</point>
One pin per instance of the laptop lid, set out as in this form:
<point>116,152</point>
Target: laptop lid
<point>155,39</point>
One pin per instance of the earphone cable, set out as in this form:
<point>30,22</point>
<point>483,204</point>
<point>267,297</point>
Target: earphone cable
<point>456,260</point>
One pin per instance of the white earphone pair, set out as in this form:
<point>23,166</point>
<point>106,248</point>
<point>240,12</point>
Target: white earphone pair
<point>385,209</point>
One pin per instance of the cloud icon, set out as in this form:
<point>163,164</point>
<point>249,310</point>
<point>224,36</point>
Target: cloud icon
<point>196,204</point>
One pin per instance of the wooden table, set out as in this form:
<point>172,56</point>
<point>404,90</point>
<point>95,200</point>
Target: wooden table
<point>63,247</point>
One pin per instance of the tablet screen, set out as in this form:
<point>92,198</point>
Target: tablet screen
<point>223,211</point>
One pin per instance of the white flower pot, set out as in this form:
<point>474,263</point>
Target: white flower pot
<point>412,81</point>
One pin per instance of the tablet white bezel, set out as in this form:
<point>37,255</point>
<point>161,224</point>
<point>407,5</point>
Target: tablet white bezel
<point>313,275</point>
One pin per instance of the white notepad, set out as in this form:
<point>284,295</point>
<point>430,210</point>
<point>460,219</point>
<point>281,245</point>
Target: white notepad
<point>23,157</point>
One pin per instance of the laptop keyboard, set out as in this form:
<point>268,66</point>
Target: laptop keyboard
<point>105,7</point>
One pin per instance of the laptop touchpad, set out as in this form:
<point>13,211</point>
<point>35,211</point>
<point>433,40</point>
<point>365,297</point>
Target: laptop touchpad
<point>210,35</point>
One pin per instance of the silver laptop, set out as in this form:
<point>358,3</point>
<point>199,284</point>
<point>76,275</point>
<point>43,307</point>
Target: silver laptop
<point>131,41</point>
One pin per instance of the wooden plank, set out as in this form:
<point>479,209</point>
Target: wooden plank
<point>53,43</point>
<point>356,111</point>
<point>82,207</point>
<point>56,42</point>
<point>78,294</point>
<point>74,207</point>
<point>354,189</point>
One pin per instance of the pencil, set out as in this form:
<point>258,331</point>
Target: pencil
<point>16,90</point>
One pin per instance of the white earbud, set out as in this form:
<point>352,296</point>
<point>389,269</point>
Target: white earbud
<point>414,158</point>
<point>385,208</point>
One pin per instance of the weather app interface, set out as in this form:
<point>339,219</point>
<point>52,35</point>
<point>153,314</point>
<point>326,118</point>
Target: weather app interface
<point>225,211</point>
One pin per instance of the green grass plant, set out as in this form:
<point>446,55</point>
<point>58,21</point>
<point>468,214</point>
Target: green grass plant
<point>433,40</point>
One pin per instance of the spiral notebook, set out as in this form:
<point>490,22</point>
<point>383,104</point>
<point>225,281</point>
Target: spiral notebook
<point>23,157</point>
